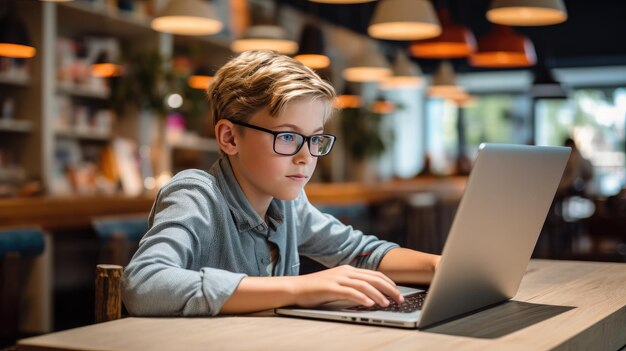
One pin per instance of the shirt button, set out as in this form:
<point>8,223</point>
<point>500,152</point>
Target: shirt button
<point>259,227</point>
<point>264,260</point>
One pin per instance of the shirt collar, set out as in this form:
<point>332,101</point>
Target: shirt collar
<point>243,213</point>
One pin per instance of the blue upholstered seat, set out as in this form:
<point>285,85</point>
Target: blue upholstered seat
<point>24,241</point>
<point>133,228</point>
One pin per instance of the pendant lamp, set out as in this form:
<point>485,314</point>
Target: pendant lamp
<point>406,74</point>
<point>404,20</point>
<point>455,41</point>
<point>311,47</point>
<point>347,2</point>
<point>187,17</point>
<point>382,106</point>
<point>201,78</point>
<point>370,66</point>
<point>502,47</point>
<point>265,37</point>
<point>14,37</point>
<point>527,12</point>
<point>545,86</point>
<point>103,67</point>
<point>348,98</point>
<point>444,84</point>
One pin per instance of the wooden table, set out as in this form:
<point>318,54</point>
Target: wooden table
<point>560,305</point>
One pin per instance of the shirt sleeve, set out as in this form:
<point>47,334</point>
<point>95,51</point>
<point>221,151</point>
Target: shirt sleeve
<point>325,239</point>
<point>159,280</point>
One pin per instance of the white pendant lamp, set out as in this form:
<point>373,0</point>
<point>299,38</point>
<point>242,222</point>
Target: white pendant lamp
<point>370,66</point>
<point>347,2</point>
<point>187,17</point>
<point>444,84</point>
<point>406,74</point>
<point>404,20</point>
<point>265,37</point>
<point>527,12</point>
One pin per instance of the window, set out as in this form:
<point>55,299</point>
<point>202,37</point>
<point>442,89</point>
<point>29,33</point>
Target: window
<point>596,120</point>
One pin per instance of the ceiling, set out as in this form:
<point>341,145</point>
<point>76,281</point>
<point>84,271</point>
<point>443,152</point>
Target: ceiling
<point>593,35</point>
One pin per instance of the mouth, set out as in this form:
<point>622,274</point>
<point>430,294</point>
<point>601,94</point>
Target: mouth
<point>298,177</point>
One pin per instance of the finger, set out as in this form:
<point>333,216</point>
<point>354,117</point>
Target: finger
<point>366,288</point>
<point>353,295</point>
<point>381,285</point>
<point>377,274</point>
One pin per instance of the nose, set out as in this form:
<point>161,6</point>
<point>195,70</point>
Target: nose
<point>304,155</point>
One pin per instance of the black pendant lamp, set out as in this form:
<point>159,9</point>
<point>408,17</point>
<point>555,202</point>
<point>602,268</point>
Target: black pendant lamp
<point>311,47</point>
<point>348,98</point>
<point>545,86</point>
<point>104,67</point>
<point>201,78</point>
<point>14,38</point>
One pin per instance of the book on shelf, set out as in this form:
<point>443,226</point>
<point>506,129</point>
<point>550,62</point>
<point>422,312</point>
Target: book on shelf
<point>127,163</point>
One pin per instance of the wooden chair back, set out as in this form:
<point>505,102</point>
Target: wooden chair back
<point>108,305</point>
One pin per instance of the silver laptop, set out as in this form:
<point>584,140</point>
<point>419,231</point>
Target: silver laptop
<point>495,229</point>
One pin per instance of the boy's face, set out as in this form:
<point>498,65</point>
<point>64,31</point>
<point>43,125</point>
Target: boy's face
<point>261,172</point>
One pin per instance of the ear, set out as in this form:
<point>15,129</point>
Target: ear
<point>225,136</point>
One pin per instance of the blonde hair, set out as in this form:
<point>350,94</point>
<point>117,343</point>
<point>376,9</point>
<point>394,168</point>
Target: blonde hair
<point>257,80</point>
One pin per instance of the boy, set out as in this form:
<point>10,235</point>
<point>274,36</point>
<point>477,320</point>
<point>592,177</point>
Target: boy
<point>227,241</point>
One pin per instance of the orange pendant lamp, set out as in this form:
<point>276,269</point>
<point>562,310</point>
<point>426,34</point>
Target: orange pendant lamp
<point>502,47</point>
<point>455,41</point>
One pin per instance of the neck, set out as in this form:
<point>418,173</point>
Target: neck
<point>259,201</point>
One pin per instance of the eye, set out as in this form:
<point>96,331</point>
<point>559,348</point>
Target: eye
<point>316,139</point>
<point>286,137</point>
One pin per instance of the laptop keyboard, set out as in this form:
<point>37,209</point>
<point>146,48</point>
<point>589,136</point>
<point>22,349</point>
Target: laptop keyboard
<point>411,303</point>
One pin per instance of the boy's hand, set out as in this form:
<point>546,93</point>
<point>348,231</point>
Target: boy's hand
<point>362,286</point>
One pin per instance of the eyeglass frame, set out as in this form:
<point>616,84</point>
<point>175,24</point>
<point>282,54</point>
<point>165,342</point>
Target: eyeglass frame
<point>305,139</point>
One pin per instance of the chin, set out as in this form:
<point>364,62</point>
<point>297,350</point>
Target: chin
<point>288,195</point>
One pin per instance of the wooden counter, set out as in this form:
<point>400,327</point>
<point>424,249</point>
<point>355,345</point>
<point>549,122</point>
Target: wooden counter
<point>65,213</point>
<point>359,193</point>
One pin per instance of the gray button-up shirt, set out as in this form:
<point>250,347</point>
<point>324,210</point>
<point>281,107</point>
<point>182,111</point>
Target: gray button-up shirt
<point>205,237</point>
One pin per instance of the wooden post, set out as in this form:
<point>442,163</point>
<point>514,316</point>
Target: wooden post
<point>108,293</point>
<point>9,294</point>
<point>117,249</point>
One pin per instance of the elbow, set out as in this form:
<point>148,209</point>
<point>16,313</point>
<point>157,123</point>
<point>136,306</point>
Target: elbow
<point>135,304</point>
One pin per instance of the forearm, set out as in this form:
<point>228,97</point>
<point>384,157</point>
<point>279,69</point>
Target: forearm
<point>409,266</point>
<point>260,293</point>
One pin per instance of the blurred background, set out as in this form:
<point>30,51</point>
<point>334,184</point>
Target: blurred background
<point>102,102</point>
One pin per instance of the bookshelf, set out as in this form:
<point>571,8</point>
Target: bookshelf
<point>66,120</point>
<point>19,81</point>
<point>15,126</point>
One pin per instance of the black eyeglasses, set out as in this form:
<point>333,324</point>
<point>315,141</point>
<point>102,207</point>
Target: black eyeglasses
<point>290,143</point>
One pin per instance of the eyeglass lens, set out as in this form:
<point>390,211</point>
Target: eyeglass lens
<point>290,143</point>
